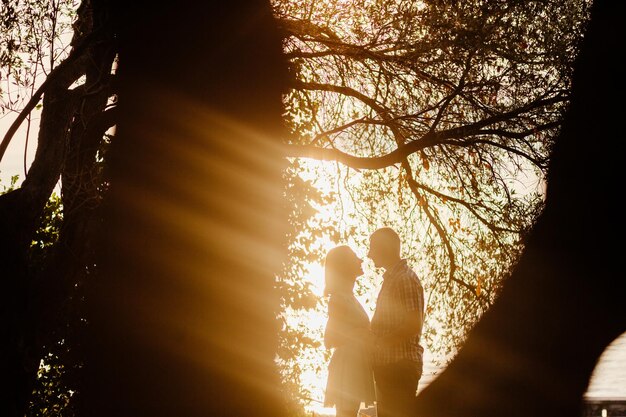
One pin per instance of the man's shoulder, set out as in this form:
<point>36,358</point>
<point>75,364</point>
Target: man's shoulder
<point>410,279</point>
<point>408,272</point>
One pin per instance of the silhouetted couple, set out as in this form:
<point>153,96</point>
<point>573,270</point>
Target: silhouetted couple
<point>379,361</point>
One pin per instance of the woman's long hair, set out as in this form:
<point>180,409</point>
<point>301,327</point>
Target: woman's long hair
<point>335,268</point>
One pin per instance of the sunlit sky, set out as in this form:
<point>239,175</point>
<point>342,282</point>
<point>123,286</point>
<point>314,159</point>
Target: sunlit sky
<point>13,161</point>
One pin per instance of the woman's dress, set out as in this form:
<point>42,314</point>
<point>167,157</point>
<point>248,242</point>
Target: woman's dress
<point>350,378</point>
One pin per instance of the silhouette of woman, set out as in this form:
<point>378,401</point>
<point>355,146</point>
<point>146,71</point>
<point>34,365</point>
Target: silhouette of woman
<point>350,379</point>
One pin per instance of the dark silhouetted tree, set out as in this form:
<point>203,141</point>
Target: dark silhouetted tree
<point>533,352</point>
<point>182,312</point>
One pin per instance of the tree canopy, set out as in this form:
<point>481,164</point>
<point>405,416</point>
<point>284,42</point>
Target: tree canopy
<point>440,118</point>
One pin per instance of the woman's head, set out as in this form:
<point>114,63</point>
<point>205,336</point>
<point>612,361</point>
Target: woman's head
<point>384,247</point>
<point>341,268</point>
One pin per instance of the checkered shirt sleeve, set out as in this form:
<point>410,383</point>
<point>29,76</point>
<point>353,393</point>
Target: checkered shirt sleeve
<point>401,292</point>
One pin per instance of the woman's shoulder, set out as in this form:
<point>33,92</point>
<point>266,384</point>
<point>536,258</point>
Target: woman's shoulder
<point>342,301</point>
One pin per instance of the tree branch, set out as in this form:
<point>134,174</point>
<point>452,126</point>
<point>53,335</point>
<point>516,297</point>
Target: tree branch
<point>64,74</point>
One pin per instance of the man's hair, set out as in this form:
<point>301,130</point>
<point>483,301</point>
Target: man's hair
<point>388,237</point>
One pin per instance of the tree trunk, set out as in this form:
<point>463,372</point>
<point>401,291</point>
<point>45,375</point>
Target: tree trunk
<point>30,308</point>
<point>20,211</point>
<point>182,314</point>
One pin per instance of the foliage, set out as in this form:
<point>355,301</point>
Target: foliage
<point>12,183</point>
<point>51,395</point>
<point>55,385</point>
<point>47,234</point>
<point>296,338</point>
<point>33,40</point>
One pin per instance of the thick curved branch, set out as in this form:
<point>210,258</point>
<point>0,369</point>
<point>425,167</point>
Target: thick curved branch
<point>446,137</point>
<point>394,157</point>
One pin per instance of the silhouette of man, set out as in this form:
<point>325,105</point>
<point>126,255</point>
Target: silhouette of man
<point>396,327</point>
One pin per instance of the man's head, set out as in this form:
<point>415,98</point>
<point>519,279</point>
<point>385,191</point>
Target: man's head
<point>384,248</point>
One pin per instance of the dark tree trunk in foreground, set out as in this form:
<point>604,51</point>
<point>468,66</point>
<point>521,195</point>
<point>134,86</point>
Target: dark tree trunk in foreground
<point>35,302</point>
<point>182,314</point>
<point>533,352</point>
<point>20,212</point>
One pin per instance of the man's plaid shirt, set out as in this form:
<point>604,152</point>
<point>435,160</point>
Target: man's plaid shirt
<point>401,292</point>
